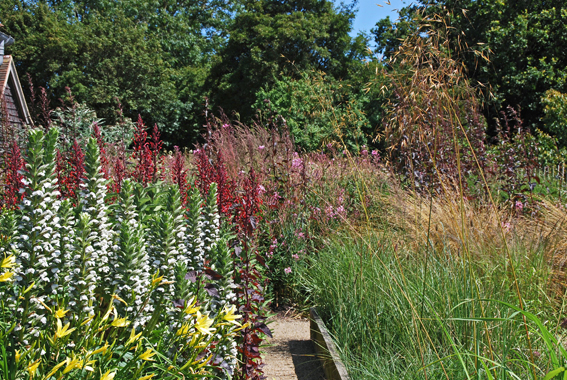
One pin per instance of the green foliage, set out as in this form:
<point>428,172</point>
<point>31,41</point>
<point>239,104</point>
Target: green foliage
<point>271,40</point>
<point>525,43</point>
<point>318,110</point>
<point>555,114</point>
<point>151,56</point>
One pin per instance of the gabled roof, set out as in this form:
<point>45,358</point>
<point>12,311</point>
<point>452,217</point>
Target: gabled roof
<point>9,77</point>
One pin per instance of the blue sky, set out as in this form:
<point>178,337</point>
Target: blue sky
<point>369,13</point>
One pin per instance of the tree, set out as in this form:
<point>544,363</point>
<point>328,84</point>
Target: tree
<point>153,56</point>
<point>272,39</point>
<point>525,42</point>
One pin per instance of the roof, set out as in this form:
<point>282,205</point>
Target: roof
<point>7,71</point>
<point>8,40</point>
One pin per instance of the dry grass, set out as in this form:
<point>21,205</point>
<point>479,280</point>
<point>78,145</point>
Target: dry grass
<point>551,229</point>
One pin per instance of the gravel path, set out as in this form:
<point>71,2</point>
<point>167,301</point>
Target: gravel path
<point>290,354</point>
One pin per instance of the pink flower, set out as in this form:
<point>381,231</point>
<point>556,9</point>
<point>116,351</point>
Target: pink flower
<point>261,189</point>
<point>519,206</point>
<point>344,152</point>
<point>287,270</point>
<point>301,235</point>
<point>261,148</point>
<point>329,145</point>
<point>375,153</point>
<point>225,125</point>
<point>364,152</point>
<point>295,256</point>
<point>506,226</point>
<point>297,162</point>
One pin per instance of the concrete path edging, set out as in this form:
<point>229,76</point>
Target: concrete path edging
<point>326,350</point>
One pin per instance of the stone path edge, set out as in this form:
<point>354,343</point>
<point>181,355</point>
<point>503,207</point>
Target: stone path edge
<point>325,349</point>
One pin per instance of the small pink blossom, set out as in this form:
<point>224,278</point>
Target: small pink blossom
<point>297,162</point>
<point>329,145</point>
<point>519,206</point>
<point>344,152</point>
<point>261,148</point>
<point>295,256</point>
<point>507,226</point>
<point>364,152</point>
<point>261,189</point>
<point>287,270</point>
<point>301,235</point>
<point>225,125</point>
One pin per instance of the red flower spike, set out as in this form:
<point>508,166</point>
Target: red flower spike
<point>14,177</point>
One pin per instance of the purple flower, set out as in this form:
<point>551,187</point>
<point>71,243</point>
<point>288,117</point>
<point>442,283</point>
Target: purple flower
<point>287,270</point>
<point>297,162</point>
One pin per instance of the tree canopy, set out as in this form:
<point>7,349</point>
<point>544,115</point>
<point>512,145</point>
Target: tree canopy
<point>525,42</point>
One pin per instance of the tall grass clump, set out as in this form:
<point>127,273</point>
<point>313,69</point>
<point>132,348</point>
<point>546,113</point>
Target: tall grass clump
<point>398,312</point>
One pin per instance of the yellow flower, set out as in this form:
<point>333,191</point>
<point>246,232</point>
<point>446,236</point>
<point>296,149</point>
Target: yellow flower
<point>72,364</point>
<point>242,327</point>
<point>147,377</point>
<point>190,309</point>
<point>108,375</point>
<point>8,262</point>
<point>62,331</point>
<point>119,299</point>
<point>120,322</point>
<point>192,364</point>
<point>103,349</point>
<point>133,337</point>
<point>184,330</point>
<point>148,355</point>
<point>87,320</point>
<point>6,276</point>
<point>205,362</point>
<point>204,323</point>
<point>54,369</point>
<point>88,366</point>
<point>32,368</point>
<point>230,316</point>
<point>110,310</point>
<point>156,280</point>
<point>18,355</point>
<point>60,313</point>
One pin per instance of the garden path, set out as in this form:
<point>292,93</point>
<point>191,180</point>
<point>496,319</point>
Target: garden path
<point>290,354</point>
